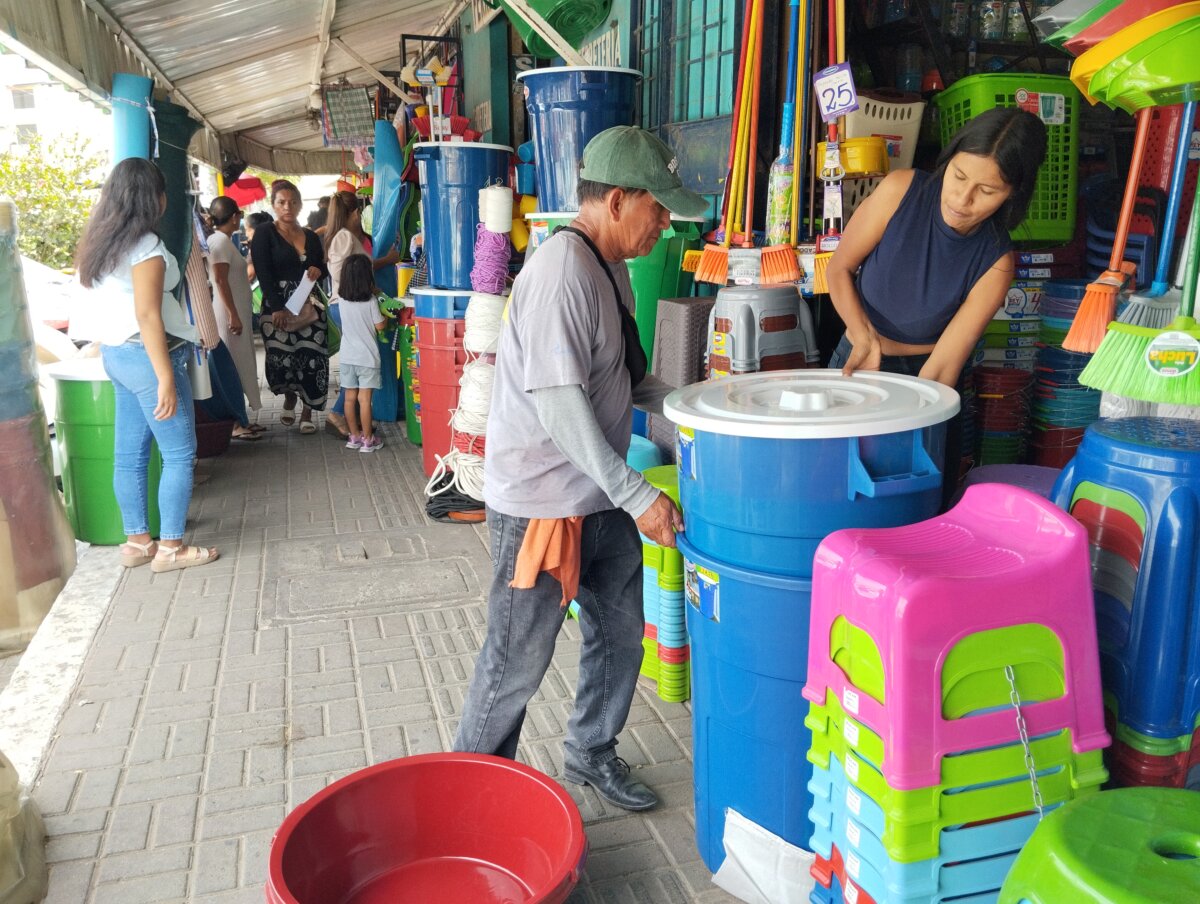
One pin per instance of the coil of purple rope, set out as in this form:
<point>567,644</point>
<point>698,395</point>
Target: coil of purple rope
<point>492,251</point>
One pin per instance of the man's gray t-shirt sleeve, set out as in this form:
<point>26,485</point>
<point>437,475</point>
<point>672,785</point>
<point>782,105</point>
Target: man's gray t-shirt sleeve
<point>567,415</point>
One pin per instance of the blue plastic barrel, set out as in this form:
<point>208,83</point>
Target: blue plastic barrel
<point>451,173</point>
<point>749,634</point>
<point>568,106</point>
<point>440,304</point>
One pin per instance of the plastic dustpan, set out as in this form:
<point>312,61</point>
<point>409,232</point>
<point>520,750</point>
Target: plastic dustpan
<point>1102,85</point>
<point>1124,42</point>
<point>1167,74</point>
<point>1106,26</point>
<point>1063,14</point>
<point>1079,23</point>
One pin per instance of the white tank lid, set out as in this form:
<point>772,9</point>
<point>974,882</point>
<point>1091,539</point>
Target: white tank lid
<point>811,404</point>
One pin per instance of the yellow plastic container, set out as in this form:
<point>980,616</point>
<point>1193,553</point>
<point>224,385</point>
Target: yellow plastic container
<point>861,156</point>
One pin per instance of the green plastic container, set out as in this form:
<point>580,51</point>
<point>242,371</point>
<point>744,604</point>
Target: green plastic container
<point>572,19</point>
<point>84,432</point>
<point>1132,846</point>
<point>657,275</point>
<point>408,373</point>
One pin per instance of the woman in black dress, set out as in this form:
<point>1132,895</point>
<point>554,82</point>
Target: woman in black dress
<point>297,358</point>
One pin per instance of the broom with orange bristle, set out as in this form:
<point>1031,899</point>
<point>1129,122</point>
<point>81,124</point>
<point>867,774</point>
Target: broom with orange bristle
<point>831,171</point>
<point>713,265</point>
<point>1099,305</point>
<point>779,256</point>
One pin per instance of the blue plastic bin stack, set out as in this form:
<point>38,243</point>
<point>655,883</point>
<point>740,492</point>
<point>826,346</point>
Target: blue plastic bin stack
<point>667,656</point>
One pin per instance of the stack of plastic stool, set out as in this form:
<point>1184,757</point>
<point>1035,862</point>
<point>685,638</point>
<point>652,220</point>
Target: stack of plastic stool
<point>680,339</point>
<point>667,651</point>
<point>1133,846</point>
<point>1134,484</point>
<point>954,690</point>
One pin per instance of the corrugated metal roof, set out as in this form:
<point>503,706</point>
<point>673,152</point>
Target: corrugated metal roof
<point>247,68</point>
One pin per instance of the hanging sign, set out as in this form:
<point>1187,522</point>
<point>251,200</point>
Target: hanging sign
<point>835,91</point>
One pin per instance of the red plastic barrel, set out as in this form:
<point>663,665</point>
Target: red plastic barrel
<point>451,828</point>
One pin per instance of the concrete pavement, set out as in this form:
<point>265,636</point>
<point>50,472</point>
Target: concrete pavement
<point>338,630</point>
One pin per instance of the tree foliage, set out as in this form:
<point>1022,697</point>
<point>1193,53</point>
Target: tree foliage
<point>54,186</point>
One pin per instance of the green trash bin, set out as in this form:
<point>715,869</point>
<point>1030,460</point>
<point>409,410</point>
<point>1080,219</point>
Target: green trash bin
<point>84,428</point>
<point>657,275</point>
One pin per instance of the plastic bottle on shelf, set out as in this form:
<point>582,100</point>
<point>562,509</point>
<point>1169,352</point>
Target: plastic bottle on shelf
<point>990,17</point>
<point>956,22</point>
<point>909,68</point>
<point>1015,28</point>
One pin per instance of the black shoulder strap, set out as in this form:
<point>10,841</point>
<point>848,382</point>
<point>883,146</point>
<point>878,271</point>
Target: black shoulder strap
<point>599,258</point>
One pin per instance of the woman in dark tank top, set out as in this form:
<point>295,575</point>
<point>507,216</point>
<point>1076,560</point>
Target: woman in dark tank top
<point>925,262</point>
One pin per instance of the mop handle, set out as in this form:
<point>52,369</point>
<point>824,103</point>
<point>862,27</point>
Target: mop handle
<point>1175,197</point>
<point>1193,264</point>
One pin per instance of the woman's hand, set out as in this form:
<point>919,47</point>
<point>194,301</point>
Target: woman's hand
<point>280,319</point>
<point>235,323</point>
<point>866,354</point>
<point>314,273</point>
<point>167,399</point>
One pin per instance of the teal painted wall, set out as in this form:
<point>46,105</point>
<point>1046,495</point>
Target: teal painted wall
<point>485,65</point>
<point>620,16</point>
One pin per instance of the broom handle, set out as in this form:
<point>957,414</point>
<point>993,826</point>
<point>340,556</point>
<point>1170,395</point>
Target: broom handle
<point>1131,188</point>
<point>737,106</point>
<point>743,128</point>
<point>799,125</point>
<point>752,163</point>
<point>1175,198</point>
<point>1192,273</point>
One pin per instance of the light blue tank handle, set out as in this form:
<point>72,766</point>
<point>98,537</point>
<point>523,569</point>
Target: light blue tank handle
<point>923,476</point>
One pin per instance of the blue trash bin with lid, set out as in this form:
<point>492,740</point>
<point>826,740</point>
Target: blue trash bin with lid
<point>451,173</point>
<point>569,106</point>
<point>769,465</point>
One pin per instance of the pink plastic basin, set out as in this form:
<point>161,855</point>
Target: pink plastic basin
<point>452,828</point>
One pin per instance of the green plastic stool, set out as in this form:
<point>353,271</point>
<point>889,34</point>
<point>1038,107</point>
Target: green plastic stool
<point>1133,846</point>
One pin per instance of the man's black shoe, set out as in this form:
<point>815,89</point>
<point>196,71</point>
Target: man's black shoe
<point>613,782</point>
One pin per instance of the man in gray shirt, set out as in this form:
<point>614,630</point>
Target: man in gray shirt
<point>558,433</point>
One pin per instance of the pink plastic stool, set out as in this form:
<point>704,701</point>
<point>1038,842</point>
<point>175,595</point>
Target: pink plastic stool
<point>1002,557</point>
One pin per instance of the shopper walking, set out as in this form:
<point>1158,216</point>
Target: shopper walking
<point>145,342</point>
<point>233,303</point>
<point>297,360</point>
<point>563,508</point>
<point>359,356</point>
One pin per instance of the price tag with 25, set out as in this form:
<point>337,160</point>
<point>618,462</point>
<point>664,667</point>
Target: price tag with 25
<point>835,91</point>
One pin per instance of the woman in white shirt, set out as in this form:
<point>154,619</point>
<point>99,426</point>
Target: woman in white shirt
<point>145,342</point>
<point>232,301</point>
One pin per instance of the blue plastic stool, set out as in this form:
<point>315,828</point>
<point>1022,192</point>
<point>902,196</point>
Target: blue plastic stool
<point>1154,673</point>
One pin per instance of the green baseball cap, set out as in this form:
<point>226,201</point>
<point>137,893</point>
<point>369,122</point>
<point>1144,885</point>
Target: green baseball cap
<point>629,157</point>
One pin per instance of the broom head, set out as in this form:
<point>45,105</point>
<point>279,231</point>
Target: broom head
<point>1097,309</point>
<point>691,260</point>
<point>713,266</point>
<point>1122,365</point>
<point>779,265</point>
<point>820,265</point>
<point>1155,310</point>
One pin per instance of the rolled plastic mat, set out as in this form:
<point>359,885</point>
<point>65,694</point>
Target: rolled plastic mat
<point>573,19</point>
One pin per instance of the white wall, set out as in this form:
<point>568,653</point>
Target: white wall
<point>56,112</point>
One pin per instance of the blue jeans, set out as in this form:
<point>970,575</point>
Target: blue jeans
<point>523,625</point>
<point>136,388</point>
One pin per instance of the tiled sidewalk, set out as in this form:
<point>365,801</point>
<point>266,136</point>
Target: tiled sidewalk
<point>338,630</point>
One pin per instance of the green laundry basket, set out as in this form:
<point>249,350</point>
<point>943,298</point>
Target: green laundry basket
<point>84,429</point>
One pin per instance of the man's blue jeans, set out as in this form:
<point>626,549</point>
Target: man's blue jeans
<point>136,390</point>
<point>523,625</point>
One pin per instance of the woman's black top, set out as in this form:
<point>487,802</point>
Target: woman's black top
<point>277,265</point>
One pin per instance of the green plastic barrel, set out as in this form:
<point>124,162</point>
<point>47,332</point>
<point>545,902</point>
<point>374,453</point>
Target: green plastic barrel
<point>658,274</point>
<point>84,431</point>
<point>408,372</point>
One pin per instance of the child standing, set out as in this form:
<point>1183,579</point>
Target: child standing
<point>359,354</point>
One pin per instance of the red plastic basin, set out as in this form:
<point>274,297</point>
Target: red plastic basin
<point>451,828</point>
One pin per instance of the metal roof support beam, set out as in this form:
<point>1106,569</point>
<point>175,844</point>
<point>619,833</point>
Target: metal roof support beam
<point>328,8</point>
<point>119,30</point>
<point>379,76</point>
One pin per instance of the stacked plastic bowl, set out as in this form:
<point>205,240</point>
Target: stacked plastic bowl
<point>1001,414</point>
<point>1063,408</point>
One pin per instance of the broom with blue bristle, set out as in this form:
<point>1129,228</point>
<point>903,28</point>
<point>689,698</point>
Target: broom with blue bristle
<point>1156,365</point>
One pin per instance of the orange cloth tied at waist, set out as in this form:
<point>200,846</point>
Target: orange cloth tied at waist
<point>553,545</point>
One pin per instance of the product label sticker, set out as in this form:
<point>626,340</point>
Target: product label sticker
<point>1173,354</point>
<point>702,589</point>
<point>851,767</point>
<point>836,95</point>
<point>850,732</point>
<point>853,865</point>
<point>853,835</point>
<point>850,892</point>
<point>1049,108</point>
<point>894,144</point>
<point>685,452</point>
<point>853,801</point>
<point>850,701</point>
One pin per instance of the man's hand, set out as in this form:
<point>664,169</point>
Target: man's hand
<point>661,521</point>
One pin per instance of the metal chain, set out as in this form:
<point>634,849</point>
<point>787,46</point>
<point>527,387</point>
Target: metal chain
<point>1015,699</point>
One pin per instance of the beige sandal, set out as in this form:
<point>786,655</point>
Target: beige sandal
<point>169,558</point>
<point>144,554</point>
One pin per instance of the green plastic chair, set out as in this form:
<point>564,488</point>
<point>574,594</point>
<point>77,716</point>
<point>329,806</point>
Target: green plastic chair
<point>1133,846</point>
